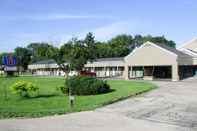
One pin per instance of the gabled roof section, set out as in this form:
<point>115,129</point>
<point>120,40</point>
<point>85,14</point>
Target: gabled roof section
<point>49,61</point>
<point>173,50</point>
<point>167,49</point>
<point>111,59</point>
<point>189,52</point>
<point>186,44</point>
<point>153,44</point>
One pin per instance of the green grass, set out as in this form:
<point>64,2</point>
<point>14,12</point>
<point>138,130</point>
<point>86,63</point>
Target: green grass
<point>53,102</point>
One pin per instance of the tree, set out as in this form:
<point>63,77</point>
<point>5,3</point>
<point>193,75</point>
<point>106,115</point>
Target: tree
<point>139,40</point>
<point>79,56</point>
<point>90,46</point>
<point>74,53</point>
<point>120,45</point>
<point>23,57</point>
<point>64,55</point>
<point>1,58</point>
<point>163,40</point>
<point>104,50</point>
<point>83,51</point>
<point>77,53</point>
<point>41,51</point>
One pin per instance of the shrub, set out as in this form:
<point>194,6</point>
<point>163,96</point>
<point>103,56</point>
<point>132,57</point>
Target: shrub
<point>25,89</point>
<point>61,89</point>
<point>83,85</point>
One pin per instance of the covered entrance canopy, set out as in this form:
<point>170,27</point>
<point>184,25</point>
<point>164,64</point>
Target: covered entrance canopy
<point>150,72</point>
<point>155,61</point>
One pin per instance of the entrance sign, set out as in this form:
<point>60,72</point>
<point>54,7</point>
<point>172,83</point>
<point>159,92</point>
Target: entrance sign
<point>10,68</point>
<point>9,60</point>
<point>10,64</point>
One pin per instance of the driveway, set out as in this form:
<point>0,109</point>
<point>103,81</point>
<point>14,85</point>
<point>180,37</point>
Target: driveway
<point>171,107</point>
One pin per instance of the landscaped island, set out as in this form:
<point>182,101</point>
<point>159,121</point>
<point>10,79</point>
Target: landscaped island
<point>52,101</point>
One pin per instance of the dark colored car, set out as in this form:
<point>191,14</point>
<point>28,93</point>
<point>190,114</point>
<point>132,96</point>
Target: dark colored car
<point>88,73</point>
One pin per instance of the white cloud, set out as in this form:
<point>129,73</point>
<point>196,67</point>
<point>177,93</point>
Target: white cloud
<point>53,38</point>
<point>108,31</point>
<point>102,33</point>
<point>65,16</point>
<point>49,17</point>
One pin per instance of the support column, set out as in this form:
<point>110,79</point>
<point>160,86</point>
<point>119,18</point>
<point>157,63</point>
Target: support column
<point>130,72</point>
<point>175,72</point>
<point>117,72</point>
<point>105,71</point>
<point>126,72</point>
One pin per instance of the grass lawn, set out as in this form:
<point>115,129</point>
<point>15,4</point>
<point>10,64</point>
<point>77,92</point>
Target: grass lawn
<point>53,102</point>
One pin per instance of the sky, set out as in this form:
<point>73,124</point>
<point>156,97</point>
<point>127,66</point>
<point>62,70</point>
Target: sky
<point>57,21</point>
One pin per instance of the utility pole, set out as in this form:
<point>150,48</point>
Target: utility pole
<point>71,96</point>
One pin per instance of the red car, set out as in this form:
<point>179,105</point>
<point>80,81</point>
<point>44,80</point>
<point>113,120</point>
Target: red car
<point>88,73</point>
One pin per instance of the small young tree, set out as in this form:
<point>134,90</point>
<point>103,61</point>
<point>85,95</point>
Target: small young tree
<point>76,53</point>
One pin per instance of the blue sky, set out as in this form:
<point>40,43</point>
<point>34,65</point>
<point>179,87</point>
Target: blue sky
<point>56,21</point>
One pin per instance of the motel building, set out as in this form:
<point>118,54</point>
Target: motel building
<point>151,61</point>
<point>45,68</point>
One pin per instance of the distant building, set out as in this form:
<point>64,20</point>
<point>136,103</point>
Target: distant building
<point>107,67</point>
<point>45,68</point>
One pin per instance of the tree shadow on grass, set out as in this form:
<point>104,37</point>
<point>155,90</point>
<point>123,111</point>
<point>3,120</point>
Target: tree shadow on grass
<point>106,92</point>
<point>101,93</point>
<point>46,95</point>
<point>40,96</point>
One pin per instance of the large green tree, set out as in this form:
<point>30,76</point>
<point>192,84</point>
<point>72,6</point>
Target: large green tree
<point>103,50</point>
<point>77,52</point>
<point>42,51</point>
<point>23,56</point>
<point>90,47</point>
<point>120,45</point>
<point>139,40</point>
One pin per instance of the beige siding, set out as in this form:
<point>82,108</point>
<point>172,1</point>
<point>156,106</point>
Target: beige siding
<point>150,55</point>
<point>185,61</point>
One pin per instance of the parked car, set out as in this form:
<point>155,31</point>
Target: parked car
<point>88,73</point>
